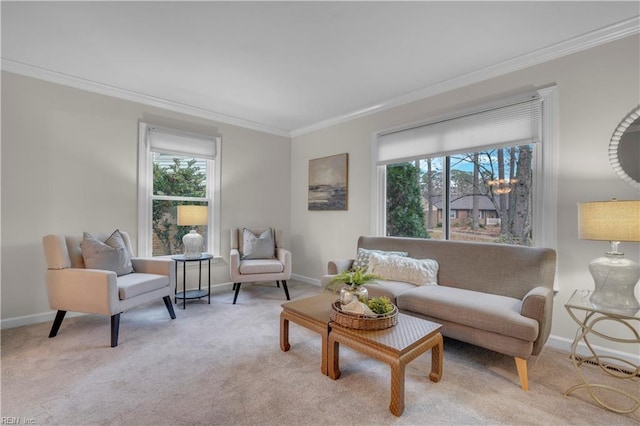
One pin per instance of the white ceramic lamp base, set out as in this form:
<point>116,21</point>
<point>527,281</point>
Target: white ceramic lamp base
<point>192,244</point>
<point>615,278</point>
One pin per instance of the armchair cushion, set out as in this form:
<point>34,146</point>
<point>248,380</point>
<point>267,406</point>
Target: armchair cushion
<point>258,246</point>
<point>110,255</point>
<point>132,285</point>
<point>261,266</point>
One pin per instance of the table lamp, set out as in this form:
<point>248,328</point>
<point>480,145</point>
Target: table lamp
<point>190,215</point>
<point>615,276</point>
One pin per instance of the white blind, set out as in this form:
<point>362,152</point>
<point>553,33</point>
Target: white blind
<point>515,124</point>
<point>179,143</point>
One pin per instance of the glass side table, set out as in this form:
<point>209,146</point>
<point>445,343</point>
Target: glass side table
<point>192,294</point>
<point>578,304</point>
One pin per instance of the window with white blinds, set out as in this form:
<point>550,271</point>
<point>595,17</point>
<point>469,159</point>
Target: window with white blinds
<point>176,168</point>
<point>528,119</point>
<point>508,125</point>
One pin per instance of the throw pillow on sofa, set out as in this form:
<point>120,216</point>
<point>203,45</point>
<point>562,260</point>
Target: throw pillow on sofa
<point>110,255</point>
<point>362,258</point>
<point>406,269</point>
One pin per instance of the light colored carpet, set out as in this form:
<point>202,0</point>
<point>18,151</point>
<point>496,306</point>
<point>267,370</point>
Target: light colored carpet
<point>221,364</point>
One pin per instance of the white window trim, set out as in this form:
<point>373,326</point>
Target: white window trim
<point>546,162</point>
<point>145,186</point>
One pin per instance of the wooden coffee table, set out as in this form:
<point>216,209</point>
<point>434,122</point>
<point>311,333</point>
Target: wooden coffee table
<point>397,346</point>
<point>312,313</point>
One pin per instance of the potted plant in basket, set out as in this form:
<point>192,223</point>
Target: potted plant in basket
<point>351,283</point>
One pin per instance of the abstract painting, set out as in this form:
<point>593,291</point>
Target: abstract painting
<point>328,177</point>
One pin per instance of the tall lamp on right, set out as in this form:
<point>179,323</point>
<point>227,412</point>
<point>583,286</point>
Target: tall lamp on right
<point>615,276</point>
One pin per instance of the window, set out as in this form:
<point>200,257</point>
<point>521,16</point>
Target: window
<point>486,174</point>
<point>176,169</point>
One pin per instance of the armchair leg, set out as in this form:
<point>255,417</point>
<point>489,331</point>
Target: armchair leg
<point>286,290</point>
<point>115,327</point>
<point>236,287</point>
<point>56,323</point>
<point>169,305</point>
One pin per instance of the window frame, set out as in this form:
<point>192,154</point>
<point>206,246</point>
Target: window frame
<point>544,180</point>
<point>146,197</point>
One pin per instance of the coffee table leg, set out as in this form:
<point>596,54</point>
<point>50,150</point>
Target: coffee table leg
<point>325,345</point>
<point>436,359</point>
<point>284,333</point>
<point>333,353</point>
<point>397,388</point>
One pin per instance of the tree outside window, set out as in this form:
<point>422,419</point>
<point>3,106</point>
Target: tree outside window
<point>177,180</point>
<point>490,196</point>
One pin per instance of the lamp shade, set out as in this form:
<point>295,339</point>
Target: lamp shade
<point>192,215</point>
<point>609,220</point>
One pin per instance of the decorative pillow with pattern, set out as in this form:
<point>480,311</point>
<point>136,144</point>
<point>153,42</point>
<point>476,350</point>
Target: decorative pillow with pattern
<point>258,246</point>
<point>110,255</point>
<point>362,258</point>
<point>406,269</point>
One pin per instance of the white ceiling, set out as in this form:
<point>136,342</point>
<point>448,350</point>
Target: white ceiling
<point>290,67</point>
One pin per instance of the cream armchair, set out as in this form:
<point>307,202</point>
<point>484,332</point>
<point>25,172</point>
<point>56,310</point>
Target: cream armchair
<point>257,268</point>
<point>72,287</point>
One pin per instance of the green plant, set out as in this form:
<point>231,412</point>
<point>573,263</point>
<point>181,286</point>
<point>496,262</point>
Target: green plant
<point>380,305</point>
<point>352,277</point>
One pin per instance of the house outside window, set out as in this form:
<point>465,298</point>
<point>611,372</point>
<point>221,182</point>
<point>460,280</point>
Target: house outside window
<point>176,169</point>
<point>486,174</point>
<point>489,195</point>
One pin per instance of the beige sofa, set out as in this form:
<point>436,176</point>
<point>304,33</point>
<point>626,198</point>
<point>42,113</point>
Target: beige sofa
<point>499,297</point>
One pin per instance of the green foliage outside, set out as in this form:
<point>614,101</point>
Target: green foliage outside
<point>405,212</point>
<point>182,178</point>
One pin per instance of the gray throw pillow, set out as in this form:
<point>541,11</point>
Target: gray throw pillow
<point>258,246</point>
<point>110,255</point>
<point>362,258</point>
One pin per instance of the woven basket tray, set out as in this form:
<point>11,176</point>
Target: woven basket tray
<point>361,322</point>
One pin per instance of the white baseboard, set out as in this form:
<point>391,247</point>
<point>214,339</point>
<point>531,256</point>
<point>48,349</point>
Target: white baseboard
<point>304,279</point>
<point>34,319</point>
<point>564,344</point>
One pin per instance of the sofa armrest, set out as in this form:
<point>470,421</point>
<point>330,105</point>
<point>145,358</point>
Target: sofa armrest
<point>538,304</point>
<point>83,290</point>
<point>334,267</point>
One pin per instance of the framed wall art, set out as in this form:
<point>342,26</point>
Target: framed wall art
<point>328,181</point>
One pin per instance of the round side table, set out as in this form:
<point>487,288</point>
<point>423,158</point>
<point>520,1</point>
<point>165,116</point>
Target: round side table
<point>192,294</point>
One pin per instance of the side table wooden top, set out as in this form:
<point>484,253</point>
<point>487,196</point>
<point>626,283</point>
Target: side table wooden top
<point>317,308</point>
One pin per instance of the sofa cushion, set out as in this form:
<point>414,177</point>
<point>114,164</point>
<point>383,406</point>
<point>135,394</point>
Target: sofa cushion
<point>110,255</point>
<point>490,312</point>
<point>261,266</point>
<point>362,257</point>
<point>398,268</point>
<point>387,288</point>
<point>132,285</point>
<point>258,246</point>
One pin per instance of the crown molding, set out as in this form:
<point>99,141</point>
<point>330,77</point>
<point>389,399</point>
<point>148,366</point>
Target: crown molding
<point>586,41</point>
<point>574,45</point>
<point>129,95</point>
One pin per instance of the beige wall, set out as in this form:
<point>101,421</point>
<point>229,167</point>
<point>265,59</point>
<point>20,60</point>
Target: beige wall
<point>69,164</point>
<point>597,88</point>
